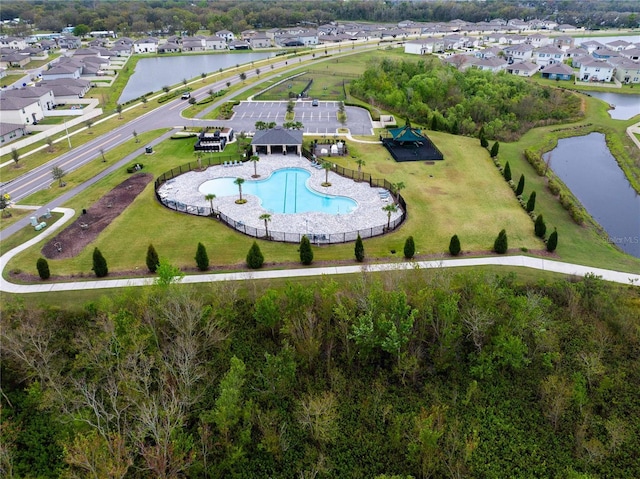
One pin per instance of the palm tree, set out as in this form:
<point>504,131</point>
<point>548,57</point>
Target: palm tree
<point>360,162</point>
<point>239,181</point>
<point>266,217</point>
<point>243,76</point>
<point>390,208</point>
<point>255,159</point>
<point>396,187</point>
<point>327,166</point>
<point>199,158</point>
<point>210,197</point>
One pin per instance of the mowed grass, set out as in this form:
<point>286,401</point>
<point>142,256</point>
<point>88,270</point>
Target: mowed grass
<point>462,195</point>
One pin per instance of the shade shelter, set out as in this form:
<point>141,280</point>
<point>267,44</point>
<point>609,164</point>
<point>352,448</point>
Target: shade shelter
<point>277,140</point>
<point>410,144</point>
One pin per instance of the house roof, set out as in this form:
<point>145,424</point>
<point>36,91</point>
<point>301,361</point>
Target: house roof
<point>277,136</point>
<point>527,66</point>
<point>558,69</point>
<point>15,103</point>
<point>406,134</point>
<point>27,92</point>
<point>6,128</point>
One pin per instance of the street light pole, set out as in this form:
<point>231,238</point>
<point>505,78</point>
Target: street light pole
<point>65,128</point>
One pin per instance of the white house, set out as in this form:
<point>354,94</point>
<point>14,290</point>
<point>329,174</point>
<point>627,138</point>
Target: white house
<point>490,52</point>
<point>215,43</point>
<point>548,55</point>
<point>20,111</point>
<point>193,44</point>
<point>43,95</point>
<point>592,46</point>
<point>424,46</point>
<point>65,70</point>
<point>522,69</point>
<point>67,88</point>
<point>227,35</point>
<point>495,64</point>
<point>11,131</point>
<point>631,53</point>
<point>260,40</point>
<point>539,40</point>
<point>145,45</point>
<point>618,45</point>
<point>627,71</point>
<point>596,70</point>
<point>518,53</point>
<point>14,43</point>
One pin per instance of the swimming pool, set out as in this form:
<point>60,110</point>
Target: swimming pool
<point>285,191</point>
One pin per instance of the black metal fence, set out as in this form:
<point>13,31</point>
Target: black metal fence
<point>287,237</point>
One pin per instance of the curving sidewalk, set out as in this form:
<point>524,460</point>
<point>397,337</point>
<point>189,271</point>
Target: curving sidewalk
<point>518,261</point>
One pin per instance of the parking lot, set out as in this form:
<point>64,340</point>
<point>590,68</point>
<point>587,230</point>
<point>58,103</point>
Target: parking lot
<point>319,120</point>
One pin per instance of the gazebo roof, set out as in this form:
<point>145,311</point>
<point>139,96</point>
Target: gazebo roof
<point>277,136</point>
<point>407,134</point>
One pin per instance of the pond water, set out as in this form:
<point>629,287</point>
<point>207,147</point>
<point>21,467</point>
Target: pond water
<point>152,74</point>
<point>626,106</point>
<point>588,168</point>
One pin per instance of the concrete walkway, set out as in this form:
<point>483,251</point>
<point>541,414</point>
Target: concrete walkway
<point>519,261</point>
<point>632,131</point>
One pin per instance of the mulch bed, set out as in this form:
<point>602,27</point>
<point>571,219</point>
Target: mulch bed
<point>86,228</point>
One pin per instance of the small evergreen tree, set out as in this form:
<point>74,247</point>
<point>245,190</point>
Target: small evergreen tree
<point>202,258</point>
<point>484,143</point>
<point>501,245</point>
<point>520,187</point>
<point>540,227</point>
<point>255,260</point>
<point>99,264</point>
<point>494,149</point>
<point>409,247</point>
<point>359,250</point>
<point>531,204</point>
<point>306,253</point>
<point>454,246</point>
<point>507,172</point>
<point>43,268</point>
<point>552,242</point>
<point>153,260</point>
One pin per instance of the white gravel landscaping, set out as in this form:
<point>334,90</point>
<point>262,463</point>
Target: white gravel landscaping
<point>367,215</point>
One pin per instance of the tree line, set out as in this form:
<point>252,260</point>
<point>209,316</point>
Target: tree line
<point>403,374</point>
<point>461,102</point>
<point>171,16</point>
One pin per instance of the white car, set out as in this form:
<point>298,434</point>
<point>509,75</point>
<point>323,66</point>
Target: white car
<point>186,95</point>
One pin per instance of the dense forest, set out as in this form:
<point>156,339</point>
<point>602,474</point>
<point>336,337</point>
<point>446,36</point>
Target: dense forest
<point>461,102</point>
<point>169,16</point>
<point>407,374</point>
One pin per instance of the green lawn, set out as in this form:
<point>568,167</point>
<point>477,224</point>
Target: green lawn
<point>9,79</point>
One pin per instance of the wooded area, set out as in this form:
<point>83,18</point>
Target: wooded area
<point>172,16</point>
<point>419,373</point>
<point>461,102</point>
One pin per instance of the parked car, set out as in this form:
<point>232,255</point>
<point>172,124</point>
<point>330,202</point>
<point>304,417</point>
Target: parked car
<point>314,103</point>
<point>186,95</point>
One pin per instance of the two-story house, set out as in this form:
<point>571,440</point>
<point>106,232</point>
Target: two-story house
<point>215,42</point>
<point>519,53</point>
<point>227,35</point>
<point>627,71</point>
<point>548,55</point>
<point>146,45</point>
<point>596,70</point>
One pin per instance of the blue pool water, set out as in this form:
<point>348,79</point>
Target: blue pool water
<point>285,191</point>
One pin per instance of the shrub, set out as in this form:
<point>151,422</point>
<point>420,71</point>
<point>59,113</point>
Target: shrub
<point>520,187</point>
<point>552,242</point>
<point>576,214</point>
<point>202,258</point>
<point>507,172</point>
<point>531,204</point>
<point>359,250</point>
<point>494,149</point>
<point>43,268</point>
<point>153,260</point>
<point>454,246</point>
<point>306,253</point>
<point>255,259</point>
<point>554,187</point>
<point>409,247</point>
<point>483,142</point>
<point>501,244</point>
<point>536,161</point>
<point>99,264</point>
<point>540,227</point>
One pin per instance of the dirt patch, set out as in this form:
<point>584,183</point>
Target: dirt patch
<point>86,228</point>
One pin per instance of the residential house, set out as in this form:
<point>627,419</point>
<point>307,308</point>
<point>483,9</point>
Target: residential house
<point>215,43</point>
<point>63,70</point>
<point>20,111</point>
<point>67,89</point>
<point>193,44</point>
<point>557,71</point>
<point>618,45</point>
<point>227,35</point>
<point>499,38</point>
<point>169,47</point>
<point>591,46</point>
<point>515,39</point>
<point>518,53</point>
<point>596,70</point>
<point>14,60</point>
<point>538,40</point>
<point>424,46</point>
<point>43,95</point>
<point>308,37</point>
<point>522,68</point>
<point>247,34</point>
<point>627,71</point>
<point>564,42</point>
<point>491,52</point>
<point>145,45</point>
<point>494,64</point>
<point>260,40</point>
<point>547,55</point>
<point>11,131</point>
<point>14,43</point>
<point>239,45</point>
<point>631,53</point>
<point>566,27</point>
<point>69,42</point>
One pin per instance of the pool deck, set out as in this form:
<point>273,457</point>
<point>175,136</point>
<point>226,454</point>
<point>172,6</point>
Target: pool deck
<point>368,214</point>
